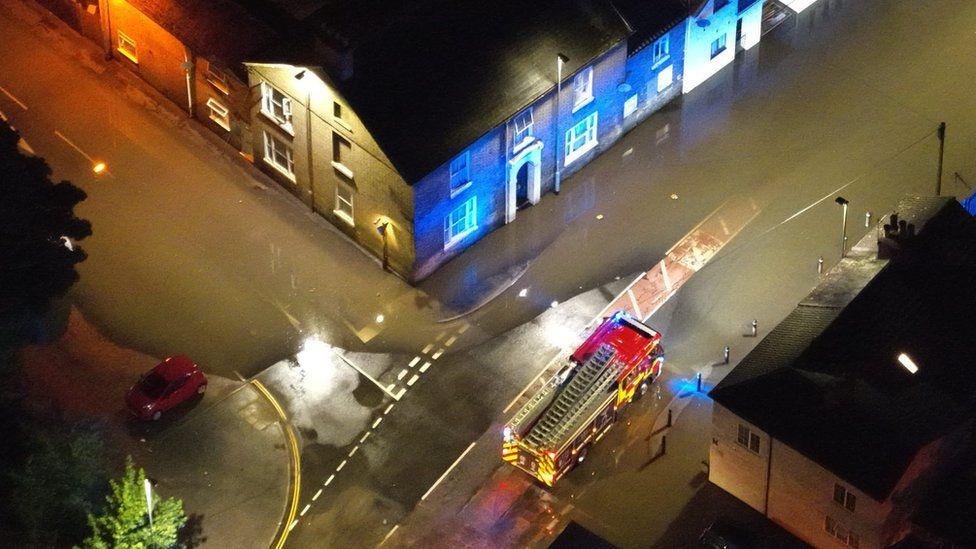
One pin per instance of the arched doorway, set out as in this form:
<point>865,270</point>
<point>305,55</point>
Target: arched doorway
<point>522,187</point>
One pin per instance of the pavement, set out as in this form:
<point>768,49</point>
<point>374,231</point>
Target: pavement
<point>192,254</point>
<point>226,456</point>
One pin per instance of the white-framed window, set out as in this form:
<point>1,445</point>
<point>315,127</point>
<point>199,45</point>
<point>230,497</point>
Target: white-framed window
<point>747,439</point>
<point>344,198</point>
<point>339,115</point>
<point>581,138</point>
<point>218,79</point>
<point>276,105</point>
<point>718,46</point>
<point>127,47</point>
<point>460,172</point>
<point>523,128</point>
<point>278,154</point>
<point>341,155</point>
<point>844,497</point>
<point>630,105</point>
<point>841,532</point>
<point>662,51</point>
<point>219,113</point>
<point>665,78</point>
<point>582,88</point>
<point>461,222</point>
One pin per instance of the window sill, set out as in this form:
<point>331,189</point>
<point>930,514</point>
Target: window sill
<point>575,155</point>
<point>582,104</point>
<point>279,169</point>
<point>128,55</point>
<point>345,217</point>
<point>342,124</point>
<point>225,124</point>
<point>458,238</point>
<point>219,86</point>
<point>660,62</point>
<point>287,127</point>
<point>460,189</point>
<point>341,168</point>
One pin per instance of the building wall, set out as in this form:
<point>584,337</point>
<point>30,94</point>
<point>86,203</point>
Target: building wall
<point>380,194</point>
<point>159,54</point>
<point>235,96</point>
<point>801,498</point>
<point>643,76</point>
<point>80,15</point>
<point>492,156</point>
<point>733,467</point>
<point>750,22</point>
<point>700,32</point>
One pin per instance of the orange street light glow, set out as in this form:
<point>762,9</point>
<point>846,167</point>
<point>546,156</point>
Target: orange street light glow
<point>99,167</point>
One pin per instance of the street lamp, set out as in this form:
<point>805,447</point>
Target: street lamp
<point>843,241</point>
<point>560,61</point>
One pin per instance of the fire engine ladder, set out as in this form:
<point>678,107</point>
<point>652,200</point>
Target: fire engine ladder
<point>539,400</point>
<point>589,381</point>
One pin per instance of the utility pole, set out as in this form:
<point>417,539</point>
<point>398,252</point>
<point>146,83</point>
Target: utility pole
<point>560,60</point>
<point>843,241</point>
<point>938,180</point>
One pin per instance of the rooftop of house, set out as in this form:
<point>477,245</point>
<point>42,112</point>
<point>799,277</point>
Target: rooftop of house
<point>828,380</point>
<point>650,19</point>
<point>221,31</point>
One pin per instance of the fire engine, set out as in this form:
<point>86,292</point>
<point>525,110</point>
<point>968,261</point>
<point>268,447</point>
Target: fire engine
<point>553,431</point>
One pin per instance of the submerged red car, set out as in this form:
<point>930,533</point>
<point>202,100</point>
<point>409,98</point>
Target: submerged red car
<point>172,382</point>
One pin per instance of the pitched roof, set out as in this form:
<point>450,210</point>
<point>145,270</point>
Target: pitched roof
<point>219,30</point>
<point>650,19</point>
<point>431,77</point>
<point>827,382</point>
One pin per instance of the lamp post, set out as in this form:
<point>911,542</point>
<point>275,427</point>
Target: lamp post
<point>843,241</point>
<point>383,227</point>
<point>560,60</point>
<point>308,135</point>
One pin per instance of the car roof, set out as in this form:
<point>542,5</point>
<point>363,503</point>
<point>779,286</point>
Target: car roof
<point>175,367</point>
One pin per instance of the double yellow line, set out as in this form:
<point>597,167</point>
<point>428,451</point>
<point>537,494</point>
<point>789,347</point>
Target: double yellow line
<point>296,468</point>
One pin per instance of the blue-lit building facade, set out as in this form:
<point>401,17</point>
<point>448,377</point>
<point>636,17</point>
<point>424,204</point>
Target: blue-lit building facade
<point>418,128</point>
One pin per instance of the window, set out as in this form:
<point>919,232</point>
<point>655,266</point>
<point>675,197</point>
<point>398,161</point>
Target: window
<point>218,79</point>
<point>630,105</point>
<point>523,129</point>
<point>840,532</point>
<point>276,105</point>
<point>580,138</point>
<point>338,114</point>
<point>341,154</point>
<point>127,47</point>
<point>219,113</point>
<point>461,222</point>
<point>844,497</point>
<point>662,50</point>
<point>343,203</point>
<point>582,88</point>
<point>718,46</point>
<point>278,154</point>
<point>665,78</point>
<point>460,172</point>
<point>747,439</point>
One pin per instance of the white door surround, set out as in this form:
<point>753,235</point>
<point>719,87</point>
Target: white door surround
<point>531,155</point>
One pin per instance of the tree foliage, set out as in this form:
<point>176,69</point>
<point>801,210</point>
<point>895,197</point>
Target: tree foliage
<point>35,213</point>
<point>125,521</point>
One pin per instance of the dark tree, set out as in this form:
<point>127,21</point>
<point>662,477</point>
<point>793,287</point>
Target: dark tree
<point>36,266</point>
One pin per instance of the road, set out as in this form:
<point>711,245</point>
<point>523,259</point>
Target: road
<point>192,254</point>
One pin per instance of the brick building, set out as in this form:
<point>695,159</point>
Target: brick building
<point>417,128</point>
<point>841,422</point>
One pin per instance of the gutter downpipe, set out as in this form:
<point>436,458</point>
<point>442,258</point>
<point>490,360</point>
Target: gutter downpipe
<point>769,469</point>
<point>188,67</point>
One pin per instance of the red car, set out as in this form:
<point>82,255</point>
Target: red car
<point>172,382</point>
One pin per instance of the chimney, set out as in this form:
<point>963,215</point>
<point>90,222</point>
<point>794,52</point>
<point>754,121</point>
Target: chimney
<point>894,236</point>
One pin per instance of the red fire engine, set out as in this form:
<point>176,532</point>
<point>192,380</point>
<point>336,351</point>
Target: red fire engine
<point>552,432</point>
